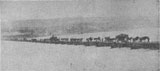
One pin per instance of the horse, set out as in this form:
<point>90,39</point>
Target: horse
<point>122,38</point>
<point>144,38</point>
<point>34,40</point>
<point>53,38</point>
<point>130,39</point>
<point>89,39</point>
<point>65,39</point>
<point>97,39</point>
<point>76,39</point>
<point>136,39</point>
<point>79,39</point>
<point>72,40</point>
<point>108,39</point>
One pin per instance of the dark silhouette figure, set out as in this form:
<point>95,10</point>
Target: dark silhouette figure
<point>65,39</point>
<point>136,39</point>
<point>97,39</point>
<point>89,39</point>
<point>76,39</point>
<point>34,40</point>
<point>109,40</point>
<point>130,39</point>
<point>144,38</point>
<point>122,38</point>
<point>53,38</point>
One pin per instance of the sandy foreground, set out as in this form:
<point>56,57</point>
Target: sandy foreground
<point>25,56</point>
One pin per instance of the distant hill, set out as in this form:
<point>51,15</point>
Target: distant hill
<point>78,25</point>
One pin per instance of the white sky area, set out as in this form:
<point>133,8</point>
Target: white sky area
<point>122,9</point>
<point>21,10</point>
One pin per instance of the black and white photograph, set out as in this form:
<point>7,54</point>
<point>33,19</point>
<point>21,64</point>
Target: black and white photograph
<point>80,35</point>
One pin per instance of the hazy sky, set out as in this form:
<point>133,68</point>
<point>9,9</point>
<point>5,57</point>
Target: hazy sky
<point>20,10</point>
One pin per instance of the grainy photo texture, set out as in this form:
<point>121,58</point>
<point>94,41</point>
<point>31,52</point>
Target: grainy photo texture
<point>80,35</point>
